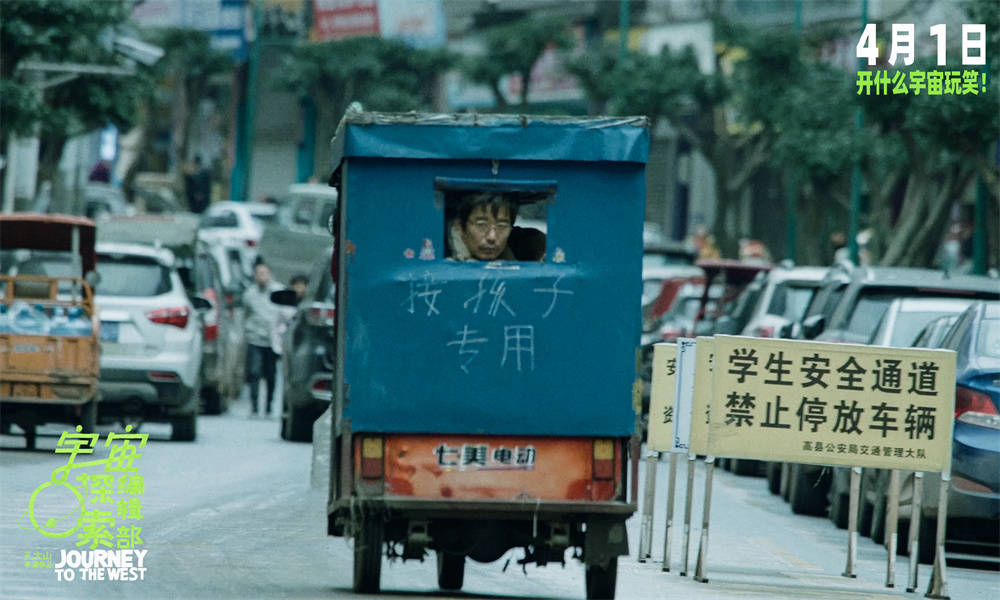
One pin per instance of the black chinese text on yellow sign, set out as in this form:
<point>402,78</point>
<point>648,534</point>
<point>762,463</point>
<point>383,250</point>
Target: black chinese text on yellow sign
<point>830,404</point>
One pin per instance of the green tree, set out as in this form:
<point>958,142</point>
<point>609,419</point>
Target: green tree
<point>382,74</point>
<point>513,48</point>
<point>61,31</point>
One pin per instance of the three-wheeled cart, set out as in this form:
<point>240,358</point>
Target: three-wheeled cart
<point>48,327</point>
<point>483,406</point>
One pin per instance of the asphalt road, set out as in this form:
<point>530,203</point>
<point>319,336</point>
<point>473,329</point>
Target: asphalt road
<point>233,515</point>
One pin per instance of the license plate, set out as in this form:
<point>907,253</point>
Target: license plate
<point>109,331</point>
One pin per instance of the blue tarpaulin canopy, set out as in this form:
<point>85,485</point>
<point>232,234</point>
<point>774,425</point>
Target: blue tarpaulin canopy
<point>435,345</point>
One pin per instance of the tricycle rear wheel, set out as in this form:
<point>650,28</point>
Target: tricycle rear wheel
<point>451,570</point>
<point>601,580</point>
<point>368,555</point>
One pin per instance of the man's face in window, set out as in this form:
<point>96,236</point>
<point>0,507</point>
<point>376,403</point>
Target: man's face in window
<point>485,235</point>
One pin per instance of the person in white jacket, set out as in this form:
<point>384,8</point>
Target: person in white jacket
<point>261,316</point>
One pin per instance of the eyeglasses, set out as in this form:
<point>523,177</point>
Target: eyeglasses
<point>482,227</point>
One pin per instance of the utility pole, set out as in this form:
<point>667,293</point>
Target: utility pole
<point>792,182</point>
<point>623,19</point>
<point>859,124</point>
<point>239,183</point>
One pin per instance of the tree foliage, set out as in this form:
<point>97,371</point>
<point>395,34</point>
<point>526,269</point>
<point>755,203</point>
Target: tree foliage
<point>61,31</point>
<point>381,74</point>
<point>513,48</point>
<point>770,107</point>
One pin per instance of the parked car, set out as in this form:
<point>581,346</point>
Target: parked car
<point>974,493</point>
<point>861,305</point>
<point>899,328</point>
<point>866,298</point>
<point>786,292</point>
<point>200,276</point>
<point>302,224</point>
<point>217,383</point>
<point>101,199</point>
<point>151,339</point>
<point>307,362</point>
<point>906,318</point>
<point>934,332</point>
<point>660,286</point>
<point>734,276</point>
<point>233,222</point>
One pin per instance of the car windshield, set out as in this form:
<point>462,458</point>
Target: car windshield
<point>48,264</point>
<point>909,324</point>
<point>868,312</point>
<point>989,338</point>
<point>222,219</point>
<point>131,276</point>
<point>790,301</point>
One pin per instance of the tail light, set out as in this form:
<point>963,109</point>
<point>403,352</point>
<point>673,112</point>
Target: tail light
<point>321,315</point>
<point>163,376</point>
<point>211,328</point>
<point>604,460</point>
<point>372,465</point>
<point>670,334</point>
<point>969,400</point>
<point>320,388</point>
<point>251,243</point>
<point>765,332</point>
<point>178,317</point>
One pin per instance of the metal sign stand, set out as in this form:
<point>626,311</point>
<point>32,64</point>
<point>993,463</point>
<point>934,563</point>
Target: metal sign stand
<point>913,543</point>
<point>649,498</point>
<point>938,586</point>
<point>852,523</point>
<point>670,512</point>
<point>891,522</point>
<point>699,571</point>
<point>687,513</point>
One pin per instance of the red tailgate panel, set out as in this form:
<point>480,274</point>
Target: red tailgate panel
<point>495,467</point>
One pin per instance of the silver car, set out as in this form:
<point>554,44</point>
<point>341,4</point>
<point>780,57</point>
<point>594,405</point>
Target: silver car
<point>151,338</point>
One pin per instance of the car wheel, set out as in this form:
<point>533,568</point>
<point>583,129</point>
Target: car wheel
<point>212,399</point>
<point>601,580</point>
<point>743,466</point>
<point>876,528</point>
<point>807,494</point>
<point>297,427</point>
<point>368,555</point>
<point>451,570</point>
<point>88,416</point>
<point>774,477</point>
<point>928,532</point>
<point>840,505</point>
<point>184,428</point>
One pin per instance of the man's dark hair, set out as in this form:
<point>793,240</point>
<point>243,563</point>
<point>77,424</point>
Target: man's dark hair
<point>491,200</point>
<point>299,278</point>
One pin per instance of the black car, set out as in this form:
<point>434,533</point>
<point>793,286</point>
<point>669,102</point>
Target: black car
<point>307,359</point>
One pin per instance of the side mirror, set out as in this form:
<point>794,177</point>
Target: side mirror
<point>813,326</point>
<point>785,331</point>
<point>285,298</point>
<point>93,279</point>
<point>201,304</point>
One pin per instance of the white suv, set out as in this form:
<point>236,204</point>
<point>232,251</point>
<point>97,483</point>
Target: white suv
<point>151,337</point>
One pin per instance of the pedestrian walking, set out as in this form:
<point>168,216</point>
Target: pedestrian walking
<point>261,321</point>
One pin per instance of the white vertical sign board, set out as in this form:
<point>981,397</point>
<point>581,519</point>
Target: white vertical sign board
<point>684,395</point>
<point>661,398</point>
